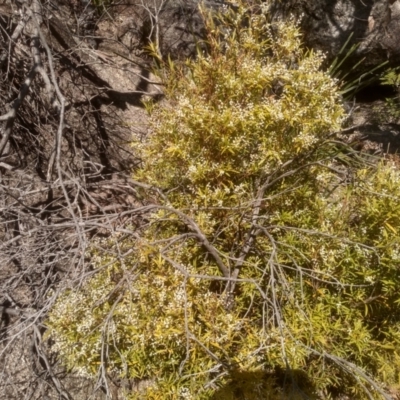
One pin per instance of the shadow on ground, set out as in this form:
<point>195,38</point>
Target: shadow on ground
<point>274,385</point>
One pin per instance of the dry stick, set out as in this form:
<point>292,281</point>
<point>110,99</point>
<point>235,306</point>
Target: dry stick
<point>107,217</point>
<point>191,336</point>
<point>275,304</point>
<point>37,67</point>
<point>190,224</point>
<point>102,379</point>
<point>352,368</point>
<point>61,391</point>
<point>14,37</point>
<point>10,311</point>
<point>12,114</point>
<point>59,135</point>
<point>254,229</point>
<point>201,237</point>
<point>251,237</point>
<point>186,359</point>
<point>155,24</point>
<point>24,316</point>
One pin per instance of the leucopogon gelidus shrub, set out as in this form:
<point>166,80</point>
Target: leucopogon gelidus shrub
<point>270,247</point>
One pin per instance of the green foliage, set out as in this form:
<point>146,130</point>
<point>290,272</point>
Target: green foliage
<point>349,80</point>
<point>248,180</point>
<point>390,111</point>
<point>391,77</point>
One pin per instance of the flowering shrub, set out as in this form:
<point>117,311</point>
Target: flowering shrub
<point>270,247</point>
